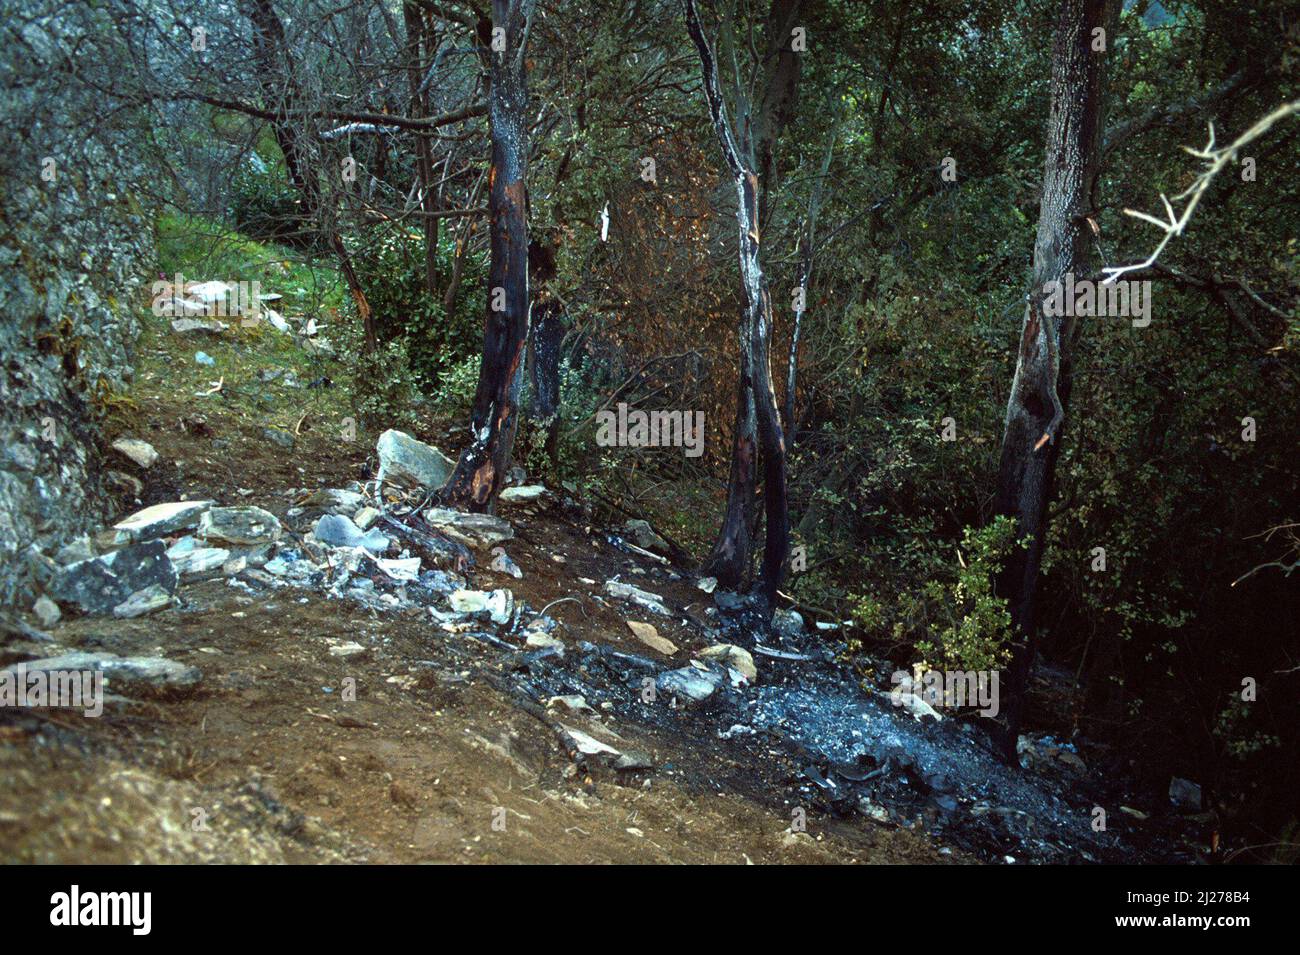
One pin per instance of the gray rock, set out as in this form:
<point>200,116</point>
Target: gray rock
<point>521,494</point>
<point>502,564</point>
<point>152,598</point>
<point>240,525</point>
<point>410,463</point>
<point>161,520</point>
<point>79,548</point>
<point>474,530</point>
<point>499,605</point>
<point>689,682</point>
<point>282,438</point>
<point>98,585</point>
<point>198,562</point>
<point>642,598</point>
<point>130,675</point>
<point>644,536</point>
<point>141,452</point>
<point>47,611</point>
<point>339,531</point>
<point>329,500</point>
<point>365,517</point>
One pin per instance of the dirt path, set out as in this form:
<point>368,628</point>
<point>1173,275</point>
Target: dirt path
<point>431,763</point>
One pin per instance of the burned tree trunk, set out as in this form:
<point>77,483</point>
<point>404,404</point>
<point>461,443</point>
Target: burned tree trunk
<point>546,337</point>
<point>758,422</point>
<point>482,467</point>
<point>1040,390</point>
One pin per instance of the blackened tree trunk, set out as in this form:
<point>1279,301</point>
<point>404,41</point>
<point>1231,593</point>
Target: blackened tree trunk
<point>482,467</point>
<point>757,397</point>
<point>1040,390</point>
<point>546,337</point>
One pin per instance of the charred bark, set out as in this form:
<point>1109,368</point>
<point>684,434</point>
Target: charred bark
<point>1040,390</point>
<point>481,469</point>
<point>546,339</point>
<point>758,421</point>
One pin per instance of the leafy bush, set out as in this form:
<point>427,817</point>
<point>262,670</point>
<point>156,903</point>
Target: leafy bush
<point>266,206</point>
<point>391,270</point>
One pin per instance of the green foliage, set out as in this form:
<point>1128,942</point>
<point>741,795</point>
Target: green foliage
<point>265,205</point>
<point>391,268</point>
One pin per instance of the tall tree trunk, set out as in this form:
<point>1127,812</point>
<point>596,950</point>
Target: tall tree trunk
<point>757,397</point>
<point>806,252</point>
<point>277,77</point>
<point>481,470</point>
<point>1040,390</point>
<point>276,74</point>
<point>419,50</point>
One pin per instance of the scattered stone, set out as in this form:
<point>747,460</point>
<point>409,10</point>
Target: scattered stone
<point>410,463</point>
<point>521,494</point>
<point>284,439</point>
<point>234,565</point>
<point>185,326</point>
<point>79,548</point>
<point>633,760</point>
<point>195,563</point>
<point>648,635</point>
<point>240,525</point>
<point>643,598</point>
<point>1185,794</point>
<point>538,640</point>
<point>502,564</point>
<point>346,649</point>
<point>707,584</point>
<point>405,568</point>
<point>793,840</point>
<point>689,682</point>
<point>728,654</point>
<point>203,358</point>
<point>339,531</point>
<point>499,605</point>
<point>573,703</point>
<point>142,602</point>
<point>588,745</point>
<point>473,530</point>
<point>102,583</point>
<point>331,500</point>
<point>918,707</point>
<point>365,517</point>
<point>873,811</point>
<point>141,452</point>
<point>643,535</point>
<point>47,611</point>
<point>129,675</point>
<point>161,520</point>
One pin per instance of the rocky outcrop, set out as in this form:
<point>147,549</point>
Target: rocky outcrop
<point>75,248</point>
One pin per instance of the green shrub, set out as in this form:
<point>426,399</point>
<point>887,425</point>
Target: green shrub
<point>391,269</point>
